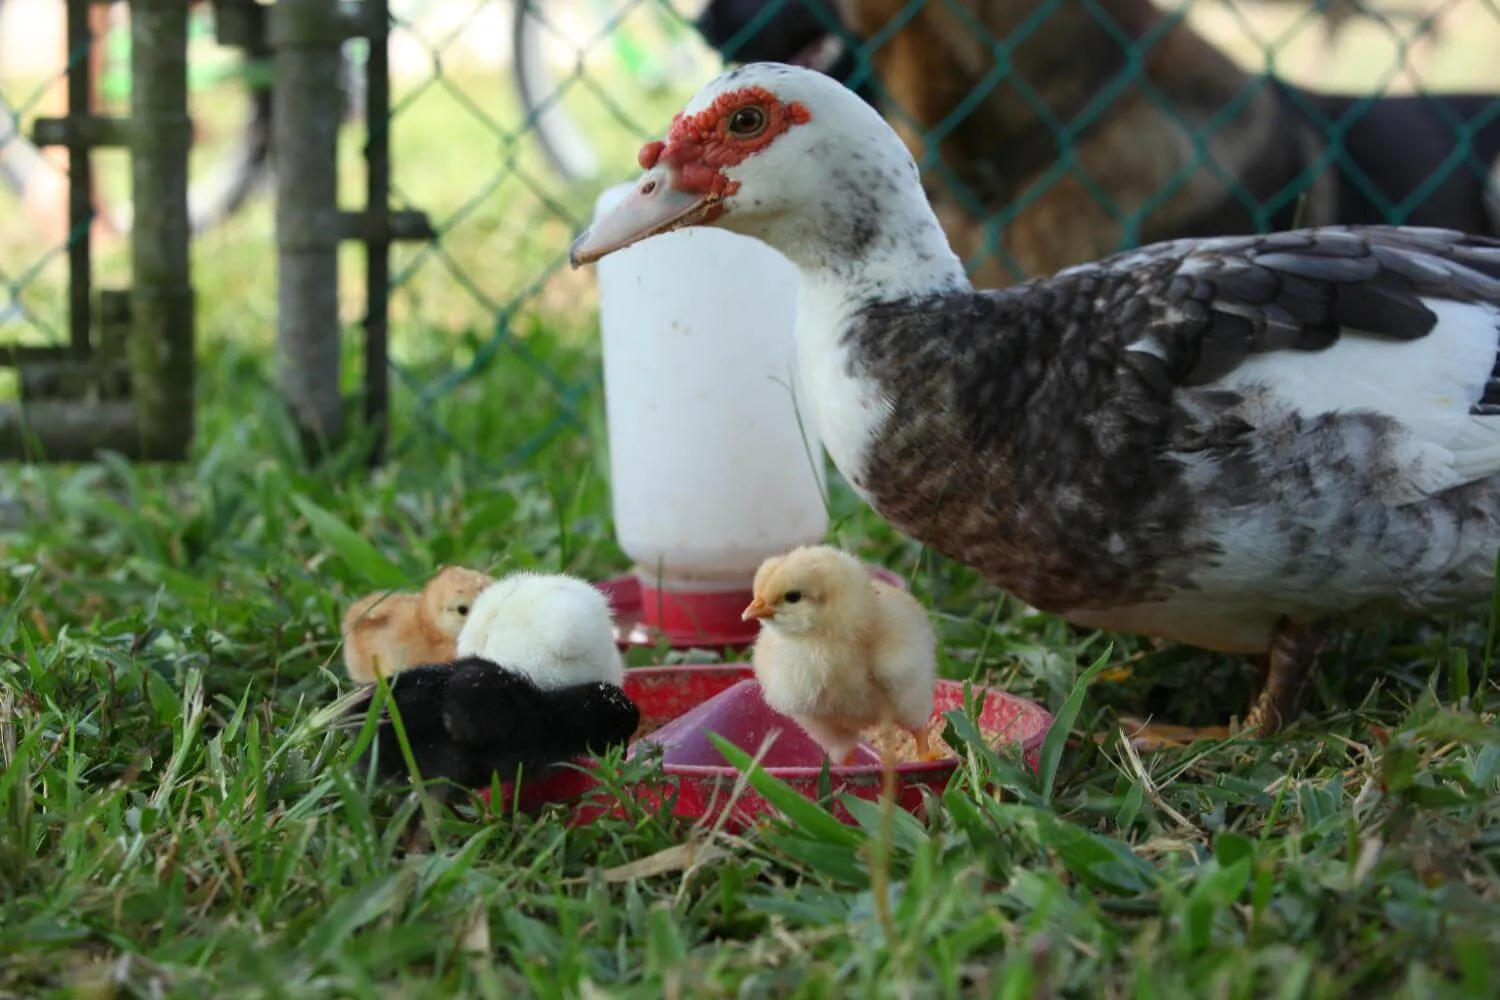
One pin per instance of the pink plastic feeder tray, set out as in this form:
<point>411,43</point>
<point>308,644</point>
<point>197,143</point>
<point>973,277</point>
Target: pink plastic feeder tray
<point>680,705</point>
<point>645,615</point>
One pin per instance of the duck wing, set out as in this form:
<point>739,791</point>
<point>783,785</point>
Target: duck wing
<point>1395,323</point>
<point>1096,438</point>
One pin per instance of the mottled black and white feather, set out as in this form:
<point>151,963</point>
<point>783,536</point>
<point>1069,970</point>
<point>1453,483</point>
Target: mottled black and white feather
<point>1288,423</point>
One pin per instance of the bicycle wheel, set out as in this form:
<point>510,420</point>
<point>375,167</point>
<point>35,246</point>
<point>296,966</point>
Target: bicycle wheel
<point>608,47</point>
<point>229,98</point>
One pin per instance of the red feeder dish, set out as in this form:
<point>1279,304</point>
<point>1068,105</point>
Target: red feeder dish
<point>644,615</point>
<point>682,704</point>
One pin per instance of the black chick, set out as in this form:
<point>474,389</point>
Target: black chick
<point>471,719</point>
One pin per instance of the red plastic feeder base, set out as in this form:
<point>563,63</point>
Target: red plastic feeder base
<point>645,615</point>
<point>681,704</point>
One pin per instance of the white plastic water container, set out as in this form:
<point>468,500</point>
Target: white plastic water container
<point>712,471</point>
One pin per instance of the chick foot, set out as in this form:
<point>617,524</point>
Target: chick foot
<point>925,752</point>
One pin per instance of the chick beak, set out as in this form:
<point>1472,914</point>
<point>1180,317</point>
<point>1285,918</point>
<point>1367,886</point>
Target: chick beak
<point>758,609</point>
<point>657,205</point>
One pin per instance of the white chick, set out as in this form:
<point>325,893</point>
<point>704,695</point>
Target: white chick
<point>840,651</point>
<point>557,630</point>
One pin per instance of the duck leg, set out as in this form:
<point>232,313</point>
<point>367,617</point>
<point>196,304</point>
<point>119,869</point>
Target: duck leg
<point>1290,668</point>
<point>1282,678</point>
<point>1262,665</point>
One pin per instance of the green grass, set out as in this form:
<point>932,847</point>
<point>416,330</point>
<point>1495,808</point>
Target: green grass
<point>175,821</point>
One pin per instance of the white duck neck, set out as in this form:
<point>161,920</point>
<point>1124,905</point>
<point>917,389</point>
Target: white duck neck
<point>902,252</point>
<point>907,257</point>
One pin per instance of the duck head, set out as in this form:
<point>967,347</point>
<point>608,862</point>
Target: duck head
<point>788,156</point>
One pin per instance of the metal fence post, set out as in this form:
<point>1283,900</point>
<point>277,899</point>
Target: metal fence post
<point>376,225</point>
<point>160,346</point>
<point>306,36</point>
<point>378,209</point>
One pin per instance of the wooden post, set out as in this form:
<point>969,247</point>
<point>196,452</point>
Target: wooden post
<point>72,406</point>
<point>160,346</point>
<point>306,37</point>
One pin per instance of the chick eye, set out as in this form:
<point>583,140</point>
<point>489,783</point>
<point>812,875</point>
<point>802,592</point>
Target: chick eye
<point>793,596</point>
<point>463,609</point>
<point>748,122</point>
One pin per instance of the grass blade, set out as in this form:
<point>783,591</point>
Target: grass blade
<point>361,557</point>
<point>1062,724</point>
<point>810,817</point>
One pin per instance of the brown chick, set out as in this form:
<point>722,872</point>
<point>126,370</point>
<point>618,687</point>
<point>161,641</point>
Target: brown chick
<point>387,632</point>
<point>840,651</point>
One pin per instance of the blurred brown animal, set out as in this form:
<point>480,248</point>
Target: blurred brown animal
<point>1132,147</point>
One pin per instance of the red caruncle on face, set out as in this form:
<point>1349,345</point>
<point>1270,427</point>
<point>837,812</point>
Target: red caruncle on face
<point>698,147</point>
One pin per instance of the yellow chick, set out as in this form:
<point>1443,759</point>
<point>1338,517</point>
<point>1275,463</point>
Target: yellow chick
<point>387,632</point>
<point>840,651</point>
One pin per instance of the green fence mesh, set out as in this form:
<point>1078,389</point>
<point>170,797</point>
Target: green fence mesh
<point>1048,130</point>
<point>32,186</point>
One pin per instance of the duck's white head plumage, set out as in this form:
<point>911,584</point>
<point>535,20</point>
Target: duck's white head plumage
<point>793,158</point>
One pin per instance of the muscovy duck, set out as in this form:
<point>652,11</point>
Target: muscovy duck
<point>1233,443</point>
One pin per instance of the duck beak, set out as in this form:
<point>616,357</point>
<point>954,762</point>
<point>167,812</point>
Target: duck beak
<point>655,206</point>
<point>758,609</point>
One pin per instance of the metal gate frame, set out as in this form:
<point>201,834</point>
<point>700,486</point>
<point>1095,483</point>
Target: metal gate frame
<point>124,381</point>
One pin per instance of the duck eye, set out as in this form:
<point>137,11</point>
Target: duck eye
<point>748,122</point>
<point>463,609</point>
<point>793,596</point>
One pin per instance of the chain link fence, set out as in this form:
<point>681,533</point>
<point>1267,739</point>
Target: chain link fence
<point>97,303</point>
<point>33,278</point>
<point>558,97</point>
<point>1049,131</point>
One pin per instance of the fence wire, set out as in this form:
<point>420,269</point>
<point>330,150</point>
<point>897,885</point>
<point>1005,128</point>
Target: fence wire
<point>229,104</point>
<point>33,289</point>
<point>1049,132</point>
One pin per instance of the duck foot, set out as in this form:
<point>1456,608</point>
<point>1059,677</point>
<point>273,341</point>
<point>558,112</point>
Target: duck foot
<point>1150,736</point>
<point>1283,677</point>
